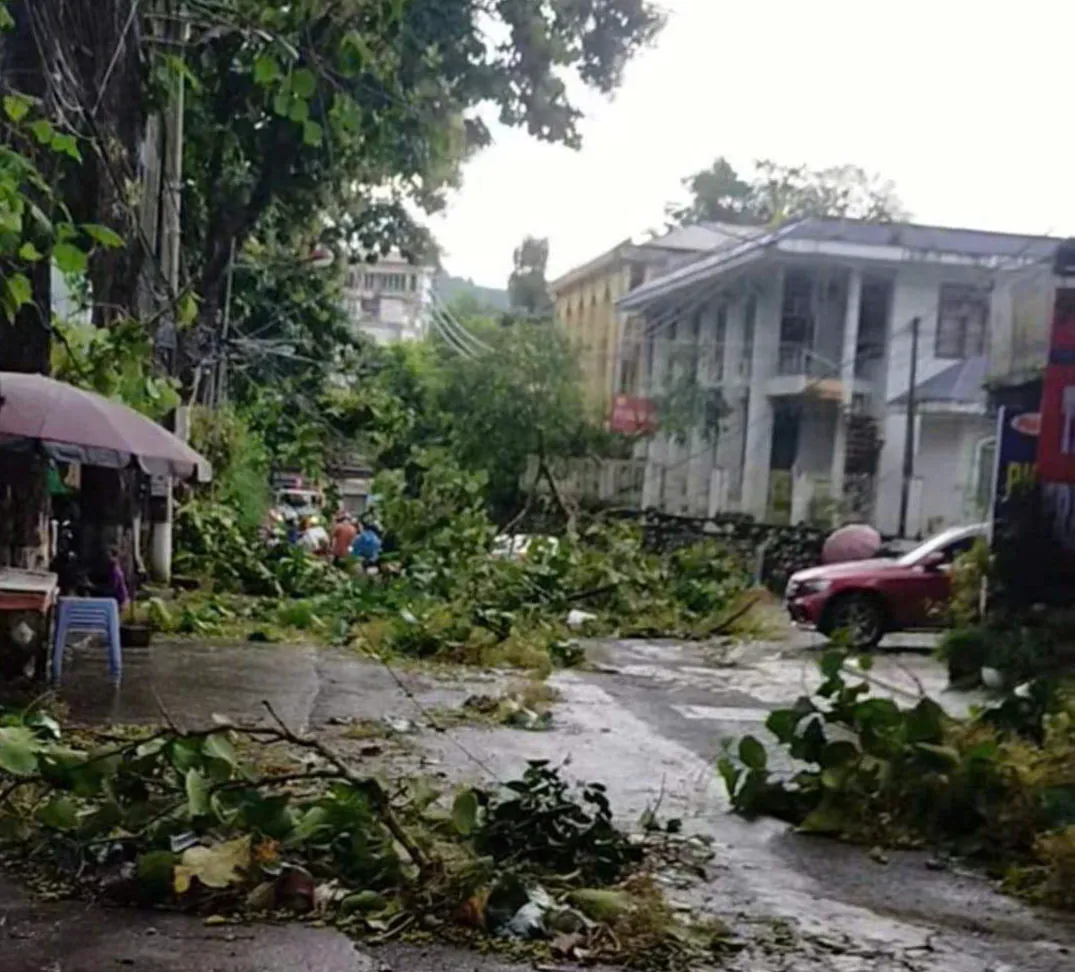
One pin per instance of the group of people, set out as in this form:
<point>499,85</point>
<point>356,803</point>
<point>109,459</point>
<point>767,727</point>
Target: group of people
<point>351,539</point>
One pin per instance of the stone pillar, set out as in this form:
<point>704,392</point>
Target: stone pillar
<point>847,380</point>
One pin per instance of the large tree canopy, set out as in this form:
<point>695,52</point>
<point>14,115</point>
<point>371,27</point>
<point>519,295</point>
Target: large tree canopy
<point>528,290</point>
<point>776,194</point>
<point>362,110</point>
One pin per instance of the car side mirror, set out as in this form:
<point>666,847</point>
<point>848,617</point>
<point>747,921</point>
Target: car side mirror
<point>935,561</point>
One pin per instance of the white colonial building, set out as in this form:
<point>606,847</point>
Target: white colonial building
<point>389,300</point>
<point>802,339</point>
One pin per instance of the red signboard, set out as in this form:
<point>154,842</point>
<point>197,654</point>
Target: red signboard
<point>1056,445</point>
<point>633,416</point>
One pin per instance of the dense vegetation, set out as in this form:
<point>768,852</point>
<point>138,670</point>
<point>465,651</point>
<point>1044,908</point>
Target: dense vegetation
<point>998,787</point>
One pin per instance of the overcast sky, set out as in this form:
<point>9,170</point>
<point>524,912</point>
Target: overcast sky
<point>968,106</point>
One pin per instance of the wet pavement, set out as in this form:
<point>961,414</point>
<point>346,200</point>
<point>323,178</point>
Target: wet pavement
<point>647,720</point>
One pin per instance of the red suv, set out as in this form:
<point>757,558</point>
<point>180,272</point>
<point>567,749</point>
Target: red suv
<point>867,599</point>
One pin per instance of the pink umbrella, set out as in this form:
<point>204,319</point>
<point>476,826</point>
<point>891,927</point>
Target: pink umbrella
<point>80,426</point>
<point>854,542</point>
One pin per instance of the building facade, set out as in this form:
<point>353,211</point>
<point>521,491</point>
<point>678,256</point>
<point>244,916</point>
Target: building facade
<point>586,303</point>
<point>802,339</point>
<point>391,300</point>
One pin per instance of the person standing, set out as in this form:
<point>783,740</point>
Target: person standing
<point>367,545</point>
<point>343,535</point>
<point>314,538</point>
<point>117,580</point>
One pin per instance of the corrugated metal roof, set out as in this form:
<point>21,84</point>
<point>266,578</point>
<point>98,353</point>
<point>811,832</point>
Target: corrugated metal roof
<point>961,384</point>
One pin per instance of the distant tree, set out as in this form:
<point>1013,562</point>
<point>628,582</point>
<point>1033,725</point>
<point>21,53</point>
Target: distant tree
<point>717,195</point>
<point>777,194</point>
<point>528,291</point>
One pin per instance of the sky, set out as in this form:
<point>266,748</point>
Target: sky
<point>966,105</point>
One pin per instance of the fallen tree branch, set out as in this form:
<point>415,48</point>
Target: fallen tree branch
<point>371,787</point>
<point>724,626</point>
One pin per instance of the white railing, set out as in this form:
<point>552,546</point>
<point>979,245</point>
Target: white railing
<point>798,358</point>
<point>603,480</point>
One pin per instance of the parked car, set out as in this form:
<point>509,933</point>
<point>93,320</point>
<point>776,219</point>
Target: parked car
<point>867,599</point>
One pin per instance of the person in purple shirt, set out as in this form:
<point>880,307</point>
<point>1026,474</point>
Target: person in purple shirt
<point>117,581</point>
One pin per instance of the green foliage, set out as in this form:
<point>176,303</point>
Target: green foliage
<point>1016,649</point>
<point>687,406</point>
<point>365,112</point>
<point>136,799</point>
<point>868,770</point>
<point>523,398</point>
<point>538,823</point>
<point>969,573</point>
<point>240,462</point>
<point>437,520</point>
<point>211,542</point>
<point>33,219</point>
<point>528,291</point>
<point>116,362</point>
<point>777,194</point>
<point>239,820</point>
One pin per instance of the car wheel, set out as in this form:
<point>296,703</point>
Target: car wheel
<point>859,617</point>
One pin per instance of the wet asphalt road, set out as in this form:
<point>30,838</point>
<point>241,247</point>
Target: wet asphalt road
<point>648,721</point>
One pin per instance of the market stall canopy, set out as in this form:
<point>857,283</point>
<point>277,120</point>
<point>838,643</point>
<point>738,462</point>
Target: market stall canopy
<point>74,425</point>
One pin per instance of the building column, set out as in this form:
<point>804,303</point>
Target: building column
<point>847,380</point>
<point>759,438</point>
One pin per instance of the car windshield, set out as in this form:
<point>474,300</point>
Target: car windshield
<point>939,542</point>
<point>298,499</point>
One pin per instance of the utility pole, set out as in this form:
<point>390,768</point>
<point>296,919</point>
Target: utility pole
<point>222,366</point>
<point>908,441</point>
<point>161,544</point>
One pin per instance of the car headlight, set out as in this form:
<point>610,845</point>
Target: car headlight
<point>808,587</point>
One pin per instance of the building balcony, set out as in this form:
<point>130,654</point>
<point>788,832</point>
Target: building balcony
<point>800,370</point>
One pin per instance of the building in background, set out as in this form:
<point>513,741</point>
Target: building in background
<point>586,297</point>
<point>389,300</point>
<point>803,335</point>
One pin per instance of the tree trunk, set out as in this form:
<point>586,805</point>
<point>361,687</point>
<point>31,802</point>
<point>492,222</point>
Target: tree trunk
<point>24,347</point>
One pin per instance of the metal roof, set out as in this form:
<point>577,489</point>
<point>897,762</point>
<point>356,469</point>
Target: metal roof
<point>903,241</point>
<point>938,239</point>
<point>961,384</point>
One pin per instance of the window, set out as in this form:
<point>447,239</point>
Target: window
<point>962,320</point>
<point>637,276</point>
<point>371,306</point>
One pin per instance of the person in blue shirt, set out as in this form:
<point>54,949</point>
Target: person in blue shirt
<point>367,545</point>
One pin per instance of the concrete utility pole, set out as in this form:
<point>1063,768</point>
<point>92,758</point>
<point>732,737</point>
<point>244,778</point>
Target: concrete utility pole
<point>171,239</point>
<point>908,441</point>
<point>221,396</point>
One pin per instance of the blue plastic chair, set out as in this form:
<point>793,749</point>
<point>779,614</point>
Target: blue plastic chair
<point>88,615</point>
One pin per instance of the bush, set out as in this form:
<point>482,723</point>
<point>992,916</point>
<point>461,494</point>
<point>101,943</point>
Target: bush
<point>867,770</point>
<point>1018,649</point>
<point>240,462</point>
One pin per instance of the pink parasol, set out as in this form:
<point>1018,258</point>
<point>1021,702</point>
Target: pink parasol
<point>854,542</point>
<point>80,426</point>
